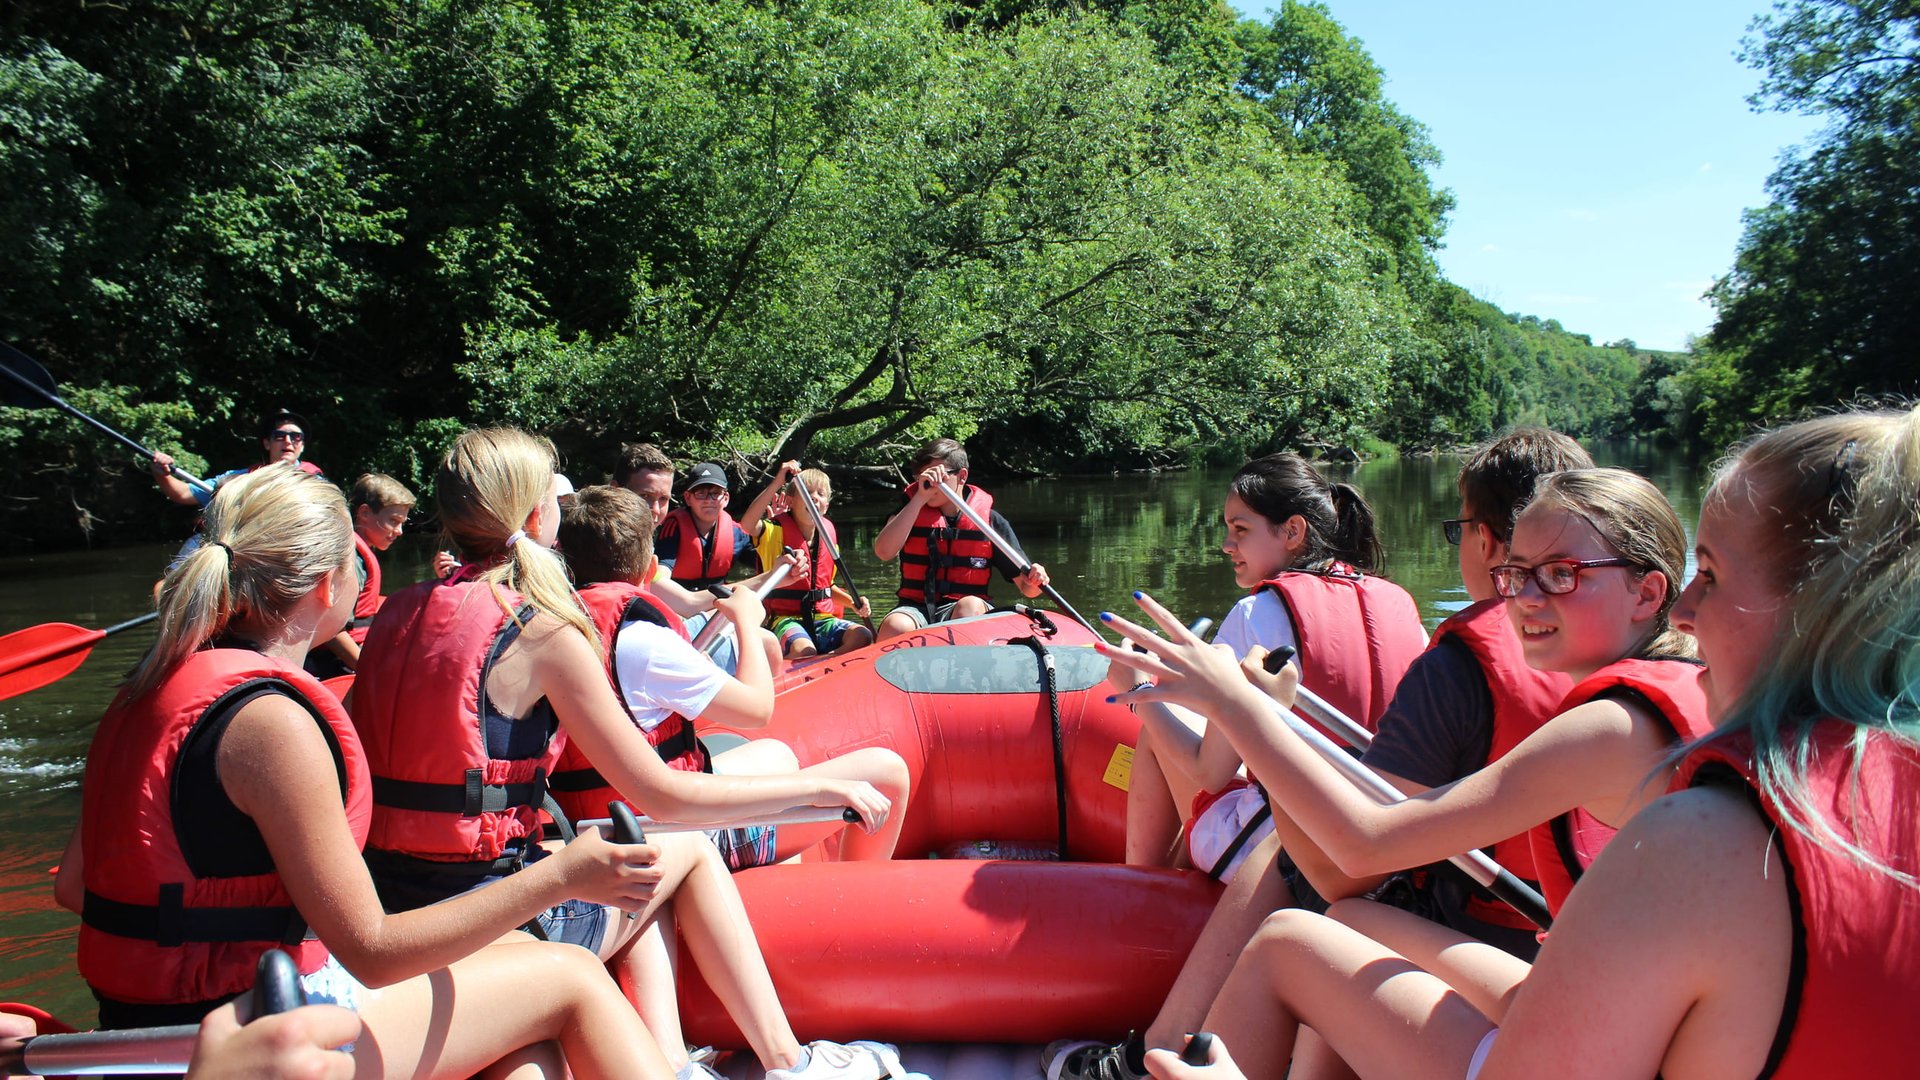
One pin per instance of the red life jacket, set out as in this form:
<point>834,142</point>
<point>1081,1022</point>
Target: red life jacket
<point>1523,699</point>
<point>577,786</point>
<point>1856,931</point>
<point>811,588</point>
<point>699,563</point>
<point>167,919</point>
<point>958,556</point>
<point>449,784</point>
<point>367,603</point>
<point>1356,635</point>
<point>1564,847</point>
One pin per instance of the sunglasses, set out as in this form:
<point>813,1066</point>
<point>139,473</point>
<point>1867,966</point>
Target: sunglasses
<point>1451,527</point>
<point>287,436</point>
<point>1555,578</point>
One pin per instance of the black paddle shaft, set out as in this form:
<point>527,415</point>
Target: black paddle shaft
<point>27,372</point>
<point>833,549</point>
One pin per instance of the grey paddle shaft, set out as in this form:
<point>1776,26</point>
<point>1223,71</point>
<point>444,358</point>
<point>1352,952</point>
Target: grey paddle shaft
<point>719,624</point>
<point>833,549</point>
<point>1495,879</point>
<point>1000,544</point>
<point>162,1050</point>
<point>799,815</point>
<point>27,372</point>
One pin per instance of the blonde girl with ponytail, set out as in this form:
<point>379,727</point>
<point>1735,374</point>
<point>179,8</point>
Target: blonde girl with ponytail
<point>544,671</point>
<point>202,781</point>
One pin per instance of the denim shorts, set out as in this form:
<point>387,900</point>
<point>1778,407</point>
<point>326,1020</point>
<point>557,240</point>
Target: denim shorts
<point>575,922</point>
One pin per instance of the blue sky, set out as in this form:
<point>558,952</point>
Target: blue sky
<point>1599,155</point>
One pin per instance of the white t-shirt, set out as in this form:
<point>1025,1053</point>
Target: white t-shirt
<point>1256,619</point>
<point>661,674</point>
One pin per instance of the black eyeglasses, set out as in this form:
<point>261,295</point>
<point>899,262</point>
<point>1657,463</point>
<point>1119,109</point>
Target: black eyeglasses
<point>1451,528</point>
<point>1557,577</point>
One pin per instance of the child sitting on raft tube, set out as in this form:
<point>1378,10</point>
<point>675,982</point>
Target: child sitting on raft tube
<point>471,688</point>
<point>226,799</point>
<point>666,684</point>
<point>1307,551</point>
<point>1465,701</point>
<point>1762,919</point>
<point>1590,582</point>
<point>946,562</point>
<point>802,608</point>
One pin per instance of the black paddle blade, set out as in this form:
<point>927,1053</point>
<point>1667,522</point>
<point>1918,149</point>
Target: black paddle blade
<point>27,385</point>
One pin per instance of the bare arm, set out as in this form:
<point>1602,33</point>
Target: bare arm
<point>569,673</point>
<point>69,885</point>
<point>171,486</point>
<point>268,761</point>
<point>682,600</point>
<point>893,535</point>
<point>1674,952</point>
<point>745,700</point>
<point>757,509</point>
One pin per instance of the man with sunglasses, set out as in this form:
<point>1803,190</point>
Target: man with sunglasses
<point>283,438</point>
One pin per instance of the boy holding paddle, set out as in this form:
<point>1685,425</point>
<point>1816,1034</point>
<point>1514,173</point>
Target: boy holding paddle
<point>946,560</point>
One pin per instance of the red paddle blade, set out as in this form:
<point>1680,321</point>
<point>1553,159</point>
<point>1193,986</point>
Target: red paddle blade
<point>38,655</point>
<point>339,684</point>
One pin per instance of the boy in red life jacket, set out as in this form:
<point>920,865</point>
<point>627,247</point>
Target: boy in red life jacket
<point>380,506</point>
<point>700,545</point>
<point>802,608</point>
<point>665,684</point>
<point>945,560</point>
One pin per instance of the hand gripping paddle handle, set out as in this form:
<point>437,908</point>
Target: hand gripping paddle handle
<point>276,984</point>
<point>1199,1049</point>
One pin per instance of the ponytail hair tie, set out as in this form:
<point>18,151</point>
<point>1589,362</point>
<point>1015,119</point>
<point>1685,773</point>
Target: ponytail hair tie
<point>221,546</point>
<point>518,535</point>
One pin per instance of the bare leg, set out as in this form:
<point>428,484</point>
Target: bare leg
<point>878,766</point>
<point>461,1019</point>
<point>1255,892</point>
<point>854,637</point>
<point>896,623</point>
<point>1154,820</point>
<point>1484,975</point>
<point>770,645</point>
<point>969,606</point>
<point>1375,1009</point>
<point>649,961</point>
<point>714,923</point>
<point>541,1061</point>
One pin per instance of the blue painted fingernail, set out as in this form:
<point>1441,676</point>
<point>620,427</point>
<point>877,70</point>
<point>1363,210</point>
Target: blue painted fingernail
<point>1106,616</point>
<point>1138,595</point>
<point>1112,699</point>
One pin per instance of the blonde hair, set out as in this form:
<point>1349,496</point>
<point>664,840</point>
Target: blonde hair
<point>1838,500</point>
<point>1640,525</point>
<point>268,539</point>
<point>816,482</point>
<point>377,491</point>
<point>489,483</point>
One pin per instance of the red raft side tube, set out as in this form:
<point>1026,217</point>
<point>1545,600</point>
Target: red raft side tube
<point>948,950</point>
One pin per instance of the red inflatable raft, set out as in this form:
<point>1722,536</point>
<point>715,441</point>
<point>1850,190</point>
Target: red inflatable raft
<point>948,950</point>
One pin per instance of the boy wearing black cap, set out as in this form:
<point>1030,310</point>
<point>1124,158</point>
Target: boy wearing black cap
<point>698,542</point>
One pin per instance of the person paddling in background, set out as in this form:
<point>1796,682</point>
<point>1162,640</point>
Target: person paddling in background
<point>380,506</point>
<point>226,799</point>
<point>1465,701</point>
<point>802,608</point>
<point>283,438</point>
<point>1590,583</point>
<point>472,686</point>
<point>945,560</point>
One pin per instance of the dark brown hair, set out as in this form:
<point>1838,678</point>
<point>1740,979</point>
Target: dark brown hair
<point>640,457</point>
<point>606,535</point>
<point>1339,521</point>
<point>1499,477</point>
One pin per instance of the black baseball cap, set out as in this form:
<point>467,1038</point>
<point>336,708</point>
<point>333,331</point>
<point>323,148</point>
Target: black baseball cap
<point>707,474</point>
<point>271,420</point>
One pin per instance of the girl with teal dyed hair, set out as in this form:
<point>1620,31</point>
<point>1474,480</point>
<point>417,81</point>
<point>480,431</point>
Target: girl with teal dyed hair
<point>1760,920</point>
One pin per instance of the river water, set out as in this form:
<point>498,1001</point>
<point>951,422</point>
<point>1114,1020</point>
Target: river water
<point>1099,537</point>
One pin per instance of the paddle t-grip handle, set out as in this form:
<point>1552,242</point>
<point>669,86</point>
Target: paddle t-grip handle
<point>1199,1048</point>
<point>1277,659</point>
<point>276,984</point>
<point>626,827</point>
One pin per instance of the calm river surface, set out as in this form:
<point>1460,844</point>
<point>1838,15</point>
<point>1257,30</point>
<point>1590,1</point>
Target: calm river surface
<point>1099,537</point>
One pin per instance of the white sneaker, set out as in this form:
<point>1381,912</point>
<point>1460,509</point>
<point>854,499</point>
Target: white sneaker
<point>860,1060</point>
<point>698,1070</point>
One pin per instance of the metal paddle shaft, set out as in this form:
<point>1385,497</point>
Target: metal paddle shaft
<point>833,549</point>
<point>1012,553</point>
<point>164,1050</point>
<point>27,372</point>
<point>799,815</point>
<point>1496,879</point>
<point>718,624</point>
<point>40,655</point>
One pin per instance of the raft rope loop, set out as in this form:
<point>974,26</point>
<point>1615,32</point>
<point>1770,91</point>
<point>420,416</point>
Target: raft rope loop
<point>1050,683</point>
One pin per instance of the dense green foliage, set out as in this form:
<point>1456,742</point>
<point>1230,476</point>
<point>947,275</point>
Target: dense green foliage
<point>1819,307</point>
<point>1081,235</point>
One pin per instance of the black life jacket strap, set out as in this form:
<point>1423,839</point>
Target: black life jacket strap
<point>171,923</point>
<point>469,799</point>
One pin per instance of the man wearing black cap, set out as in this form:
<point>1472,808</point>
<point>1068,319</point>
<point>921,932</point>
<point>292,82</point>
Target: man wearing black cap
<point>283,438</point>
<point>698,541</point>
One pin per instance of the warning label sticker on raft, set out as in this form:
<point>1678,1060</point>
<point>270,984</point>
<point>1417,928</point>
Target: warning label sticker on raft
<point>1120,767</point>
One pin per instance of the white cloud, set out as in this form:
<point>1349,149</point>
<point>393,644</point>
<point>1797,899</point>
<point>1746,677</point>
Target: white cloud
<point>1706,166</point>
<point>1489,248</point>
<point>1581,213</point>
